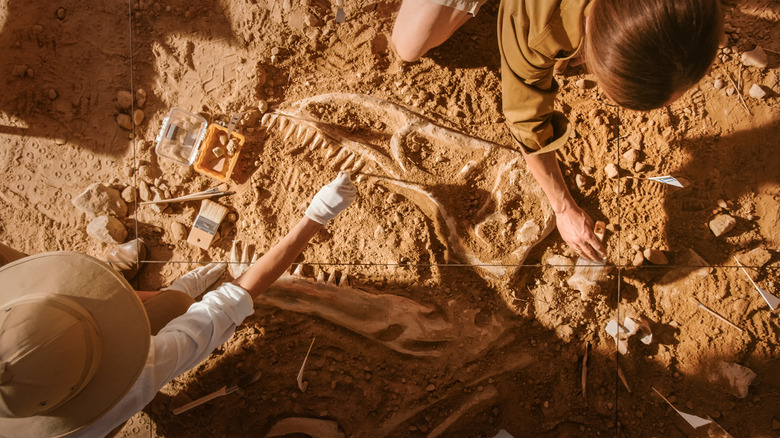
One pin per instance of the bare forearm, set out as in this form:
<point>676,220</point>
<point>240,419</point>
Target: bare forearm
<point>272,265</point>
<point>547,173</point>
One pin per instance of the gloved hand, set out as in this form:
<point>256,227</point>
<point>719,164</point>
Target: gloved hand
<point>332,199</point>
<point>199,279</point>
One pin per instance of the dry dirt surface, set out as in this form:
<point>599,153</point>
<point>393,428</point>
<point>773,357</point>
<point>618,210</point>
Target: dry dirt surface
<point>444,306</point>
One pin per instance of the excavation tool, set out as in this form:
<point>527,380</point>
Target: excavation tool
<point>206,224</point>
<point>666,179</point>
<point>770,299</point>
<point>340,18</point>
<point>716,315</point>
<point>587,270</point>
<point>220,190</point>
<point>225,390</point>
<point>693,420</point>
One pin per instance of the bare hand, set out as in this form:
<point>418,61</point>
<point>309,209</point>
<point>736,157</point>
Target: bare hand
<point>576,228</point>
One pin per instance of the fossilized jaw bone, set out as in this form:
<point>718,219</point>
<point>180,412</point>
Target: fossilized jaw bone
<point>397,322</point>
<point>490,239</point>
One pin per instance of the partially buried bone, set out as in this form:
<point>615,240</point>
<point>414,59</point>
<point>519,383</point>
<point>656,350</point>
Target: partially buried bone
<point>478,194</point>
<point>397,322</point>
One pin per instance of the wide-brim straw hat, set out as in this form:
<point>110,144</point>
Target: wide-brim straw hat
<point>77,312</point>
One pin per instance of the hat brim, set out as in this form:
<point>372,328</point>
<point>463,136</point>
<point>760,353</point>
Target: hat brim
<point>122,324</point>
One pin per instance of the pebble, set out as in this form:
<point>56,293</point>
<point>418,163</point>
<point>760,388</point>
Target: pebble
<point>179,231</point>
<point>639,166</point>
<point>124,100</point>
<point>99,200</point>
<point>53,93</point>
<point>755,58</point>
<point>143,191</point>
<point>60,14</point>
<point>262,106</point>
<point>730,91</point>
<point>138,116</point>
<point>430,388</point>
<point>612,170</point>
<point>722,224</point>
<point>580,180</point>
<point>128,194</point>
<point>757,92</point>
<point>655,256</point>
<point>718,84</point>
<point>107,229</point>
<point>631,156</point>
<point>140,97</point>
<point>392,198</point>
<point>722,204</point>
<point>639,258</point>
<point>311,20</point>
<point>124,122</point>
<point>581,83</point>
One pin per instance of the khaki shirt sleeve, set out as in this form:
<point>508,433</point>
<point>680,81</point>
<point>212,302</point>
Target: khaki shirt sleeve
<point>528,87</point>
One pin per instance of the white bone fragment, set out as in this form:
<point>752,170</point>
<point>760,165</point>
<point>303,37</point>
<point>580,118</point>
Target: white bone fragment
<point>344,281</point>
<point>321,277</point>
<point>298,270</point>
<point>331,151</point>
<point>332,278</point>
<point>290,131</point>
<point>316,141</point>
<point>235,260</point>
<point>308,136</point>
<point>341,156</point>
<point>467,169</point>
<point>301,134</point>
<point>283,123</point>
<point>358,165</point>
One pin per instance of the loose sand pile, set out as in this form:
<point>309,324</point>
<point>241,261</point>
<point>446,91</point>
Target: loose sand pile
<point>511,341</point>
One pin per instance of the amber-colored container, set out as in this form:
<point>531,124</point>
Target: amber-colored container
<point>218,154</point>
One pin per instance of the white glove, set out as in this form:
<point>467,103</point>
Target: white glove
<point>332,199</point>
<point>199,279</point>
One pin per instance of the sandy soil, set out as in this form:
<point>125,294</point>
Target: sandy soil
<point>422,343</point>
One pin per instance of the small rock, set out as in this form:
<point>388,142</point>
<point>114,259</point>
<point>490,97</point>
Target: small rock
<point>430,388</point>
<point>53,93</point>
<point>178,231</point>
<point>145,172</point>
<point>107,229</point>
<point>138,116</point>
<point>262,106</point>
<point>612,170</point>
<point>639,258</point>
<point>639,166</point>
<point>560,263</point>
<point>99,200</point>
<point>755,58</point>
<point>722,224</point>
<point>392,198</point>
<point>143,191</point>
<point>124,122</point>
<point>655,256</point>
<point>60,14</point>
<point>311,20</point>
<point>140,97</point>
<point>580,83</point>
<point>580,180</point>
<point>718,84</point>
<point>757,92</point>
<point>722,204</point>
<point>128,194</point>
<point>756,257</point>
<point>124,100</point>
<point>631,156</point>
<point>730,91</point>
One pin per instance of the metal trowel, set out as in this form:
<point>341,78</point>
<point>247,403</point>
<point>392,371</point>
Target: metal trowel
<point>340,17</point>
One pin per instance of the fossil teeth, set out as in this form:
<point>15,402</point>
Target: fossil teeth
<point>344,281</point>
<point>358,165</point>
<point>332,278</point>
<point>348,163</point>
<point>269,120</point>
<point>321,277</point>
<point>302,131</point>
<point>308,134</point>
<point>332,150</point>
<point>255,257</point>
<point>315,141</point>
<point>298,270</point>
<point>343,153</point>
<point>246,257</point>
<point>290,131</point>
<point>284,122</point>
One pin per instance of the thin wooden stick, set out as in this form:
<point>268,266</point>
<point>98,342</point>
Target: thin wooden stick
<point>193,197</point>
<point>585,373</point>
<point>739,93</point>
<point>716,315</point>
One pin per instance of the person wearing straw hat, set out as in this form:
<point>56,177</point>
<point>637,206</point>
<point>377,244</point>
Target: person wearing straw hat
<point>77,357</point>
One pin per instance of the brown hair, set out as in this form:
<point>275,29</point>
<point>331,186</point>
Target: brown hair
<point>644,51</point>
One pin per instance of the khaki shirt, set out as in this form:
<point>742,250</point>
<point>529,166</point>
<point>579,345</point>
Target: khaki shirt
<point>532,35</point>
